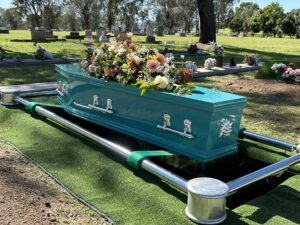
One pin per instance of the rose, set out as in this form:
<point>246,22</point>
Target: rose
<point>161,81</point>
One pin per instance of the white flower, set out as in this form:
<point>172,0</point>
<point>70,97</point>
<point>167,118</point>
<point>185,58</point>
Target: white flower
<point>209,63</point>
<point>121,51</point>
<point>112,48</point>
<point>99,51</point>
<point>277,67</point>
<point>161,81</point>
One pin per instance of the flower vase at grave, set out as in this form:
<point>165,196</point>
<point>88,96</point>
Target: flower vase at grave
<point>219,61</point>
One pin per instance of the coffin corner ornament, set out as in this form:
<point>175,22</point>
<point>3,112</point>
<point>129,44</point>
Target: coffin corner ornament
<point>201,125</point>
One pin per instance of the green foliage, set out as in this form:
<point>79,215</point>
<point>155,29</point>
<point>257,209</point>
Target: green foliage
<point>236,25</point>
<point>265,71</point>
<point>270,18</point>
<point>291,24</point>
<point>243,13</point>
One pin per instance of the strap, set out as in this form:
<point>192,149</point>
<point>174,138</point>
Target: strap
<point>135,158</point>
<point>31,106</point>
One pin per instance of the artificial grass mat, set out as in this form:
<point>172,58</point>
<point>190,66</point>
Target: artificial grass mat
<point>128,196</point>
<point>265,153</point>
<point>280,206</point>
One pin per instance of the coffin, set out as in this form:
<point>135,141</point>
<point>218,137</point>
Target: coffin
<point>203,125</point>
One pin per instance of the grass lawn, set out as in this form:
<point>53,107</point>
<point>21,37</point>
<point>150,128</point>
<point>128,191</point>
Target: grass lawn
<point>133,197</point>
<point>266,48</point>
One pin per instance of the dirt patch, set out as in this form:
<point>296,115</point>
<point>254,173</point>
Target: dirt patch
<point>29,196</point>
<point>277,89</point>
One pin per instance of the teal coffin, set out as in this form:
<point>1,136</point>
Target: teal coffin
<point>203,125</point>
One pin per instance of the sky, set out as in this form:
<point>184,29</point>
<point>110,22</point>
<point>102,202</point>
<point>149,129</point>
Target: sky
<point>287,4</point>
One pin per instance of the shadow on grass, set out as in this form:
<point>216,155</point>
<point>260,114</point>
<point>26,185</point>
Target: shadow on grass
<point>26,74</point>
<point>283,202</point>
<point>235,51</point>
<point>69,156</point>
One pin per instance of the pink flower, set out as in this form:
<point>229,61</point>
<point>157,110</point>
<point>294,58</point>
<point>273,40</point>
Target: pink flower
<point>295,72</point>
<point>152,65</point>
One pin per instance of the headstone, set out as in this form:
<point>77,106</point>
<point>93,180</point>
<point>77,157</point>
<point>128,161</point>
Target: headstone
<point>149,32</point>
<point>122,35</point>
<point>103,38</point>
<point>182,34</point>
<point>49,34</point>
<point>88,34</point>
<point>38,35</point>
<point>99,32</point>
<point>4,30</point>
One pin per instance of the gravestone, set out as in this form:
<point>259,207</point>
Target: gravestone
<point>49,34</point>
<point>38,35</point>
<point>88,34</point>
<point>149,33</point>
<point>122,35</point>
<point>4,30</point>
<point>99,31</point>
<point>75,35</point>
<point>103,38</point>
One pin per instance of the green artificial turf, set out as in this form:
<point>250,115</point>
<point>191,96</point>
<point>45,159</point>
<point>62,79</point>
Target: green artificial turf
<point>265,153</point>
<point>128,196</point>
<point>280,206</point>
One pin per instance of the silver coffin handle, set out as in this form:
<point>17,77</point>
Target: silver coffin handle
<point>167,123</point>
<point>95,106</point>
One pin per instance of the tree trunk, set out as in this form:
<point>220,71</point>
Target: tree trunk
<point>110,16</point>
<point>208,21</point>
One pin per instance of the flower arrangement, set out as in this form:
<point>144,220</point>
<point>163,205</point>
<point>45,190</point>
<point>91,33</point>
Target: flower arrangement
<point>40,53</point>
<point>287,72</point>
<point>192,49</point>
<point>209,63</point>
<point>279,68</point>
<point>216,49</point>
<point>251,60</point>
<point>128,63</point>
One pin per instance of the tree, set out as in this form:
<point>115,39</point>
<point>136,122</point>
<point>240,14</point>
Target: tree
<point>12,18</point>
<point>291,24</point>
<point>271,18</point>
<point>242,14</point>
<point>207,21</point>
<point>32,9</point>
<point>51,13</point>
<point>223,10</point>
<point>85,9</point>
<point>236,24</point>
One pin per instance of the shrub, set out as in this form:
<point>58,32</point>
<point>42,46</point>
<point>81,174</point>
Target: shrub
<point>265,71</point>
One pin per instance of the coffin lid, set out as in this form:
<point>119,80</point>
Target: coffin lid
<point>208,99</point>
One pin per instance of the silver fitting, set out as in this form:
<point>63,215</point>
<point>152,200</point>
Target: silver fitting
<point>296,148</point>
<point>7,96</point>
<point>206,200</point>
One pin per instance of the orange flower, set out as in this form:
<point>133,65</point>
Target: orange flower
<point>161,58</point>
<point>152,65</point>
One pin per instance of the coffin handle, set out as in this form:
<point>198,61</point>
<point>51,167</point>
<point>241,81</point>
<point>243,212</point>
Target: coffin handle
<point>187,124</point>
<point>96,107</point>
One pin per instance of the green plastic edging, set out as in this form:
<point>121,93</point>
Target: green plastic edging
<point>136,157</point>
<point>31,106</point>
